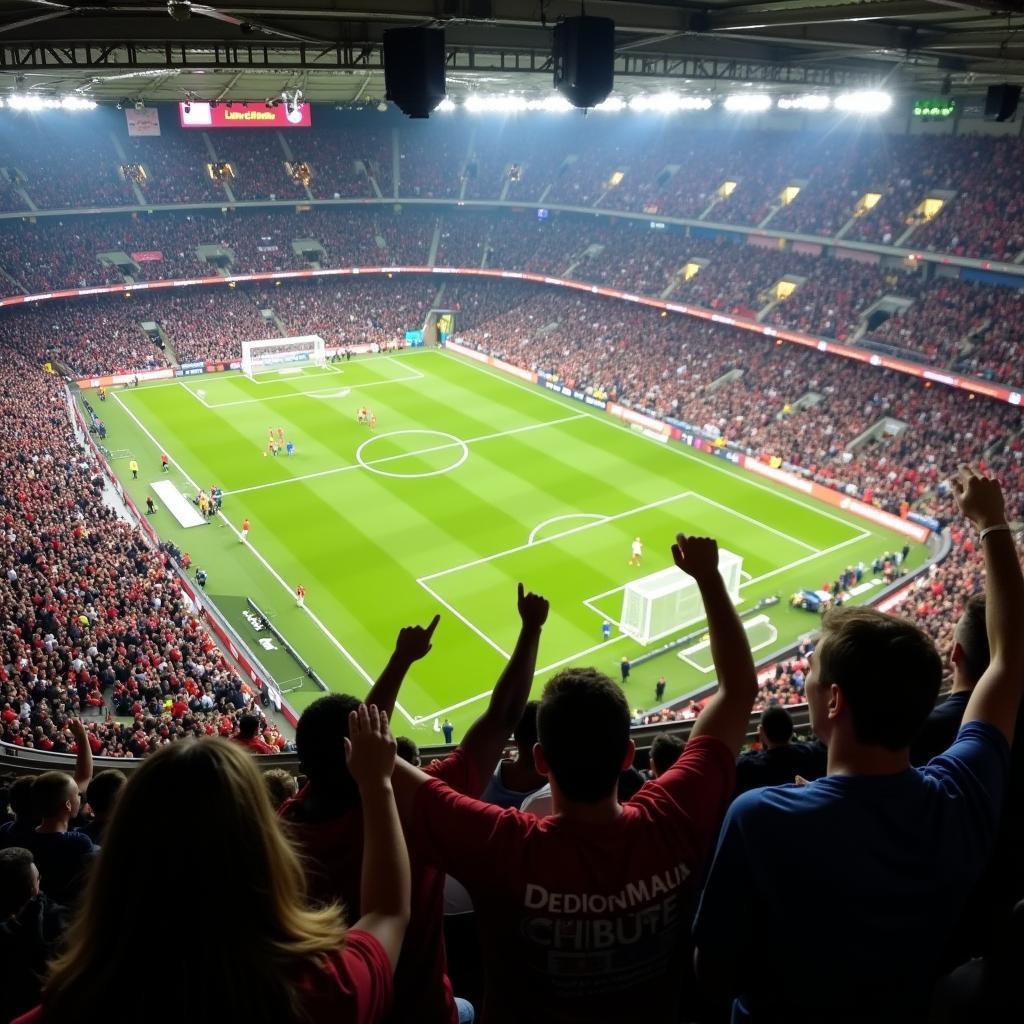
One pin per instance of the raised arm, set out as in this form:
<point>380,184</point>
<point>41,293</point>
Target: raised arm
<point>413,643</point>
<point>488,735</point>
<point>727,713</point>
<point>385,888</point>
<point>83,755</point>
<point>997,695</point>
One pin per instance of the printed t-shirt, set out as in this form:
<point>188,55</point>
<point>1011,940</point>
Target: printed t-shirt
<point>582,922</point>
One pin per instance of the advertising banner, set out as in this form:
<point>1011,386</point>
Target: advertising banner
<point>149,256</point>
<point>143,122</point>
<point>250,115</point>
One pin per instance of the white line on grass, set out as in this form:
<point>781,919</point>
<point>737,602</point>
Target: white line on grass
<point>317,393</point>
<point>462,618</point>
<point>559,519</point>
<point>407,455</point>
<point>756,522</point>
<point>609,421</point>
<point>273,572</point>
<point>557,536</point>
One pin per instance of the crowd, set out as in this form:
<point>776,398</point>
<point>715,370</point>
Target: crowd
<point>948,322</point>
<point>742,177</point>
<point>629,871</point>
<point>94,618</point>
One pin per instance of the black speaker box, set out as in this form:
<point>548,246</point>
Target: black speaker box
<point>584,59</point>
<point>414,69</point>
<point>1001,102</point>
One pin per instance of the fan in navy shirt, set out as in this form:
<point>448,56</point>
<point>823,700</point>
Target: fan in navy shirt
<point>887,853</point>
<point>969,659</point>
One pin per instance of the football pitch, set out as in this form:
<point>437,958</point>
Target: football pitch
<point>471,482</point>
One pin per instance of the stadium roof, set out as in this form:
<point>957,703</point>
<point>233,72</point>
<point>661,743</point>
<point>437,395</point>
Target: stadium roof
<point>166,51</point>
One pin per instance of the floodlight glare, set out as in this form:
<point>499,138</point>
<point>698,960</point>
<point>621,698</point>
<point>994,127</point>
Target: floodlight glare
<point>864,101</point>
<point>812,101</point>
<point>748,103</point>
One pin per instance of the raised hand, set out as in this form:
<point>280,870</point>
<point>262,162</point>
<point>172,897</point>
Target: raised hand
<point>533,609</point>
<point>414,642</point>
<point>696,556</point>
<point>369,747</point>
<point>77,728</point>
<point>980,497</point>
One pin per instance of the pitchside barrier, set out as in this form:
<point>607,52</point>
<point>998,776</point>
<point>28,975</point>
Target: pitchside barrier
<point>230,641</point>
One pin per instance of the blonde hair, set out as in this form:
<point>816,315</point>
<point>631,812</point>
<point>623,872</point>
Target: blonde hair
<point>194,807</point>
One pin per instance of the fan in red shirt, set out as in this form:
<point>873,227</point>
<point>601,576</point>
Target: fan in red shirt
<point>326,818</point>
<point>248,735</point>
<point>585,915</point>
<point>276,957</point>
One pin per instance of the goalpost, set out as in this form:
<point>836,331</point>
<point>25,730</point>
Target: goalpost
<point>283,355</point>
<point>666,601</point>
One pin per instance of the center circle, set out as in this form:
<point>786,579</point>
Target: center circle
<point>450,441</point>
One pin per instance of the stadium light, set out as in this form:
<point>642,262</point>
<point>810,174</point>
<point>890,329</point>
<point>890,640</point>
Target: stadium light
<point>446,106</point>
<point>551,105</point>
<point>612,105</point>
<point>812,101</point>
<point>494,104</point>
<point>864,101</point>
<point>748,103</point>
<point>34,104</point>
<point>668,103</point>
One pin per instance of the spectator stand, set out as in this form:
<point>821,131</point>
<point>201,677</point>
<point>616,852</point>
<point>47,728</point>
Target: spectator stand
<point>248,664</point>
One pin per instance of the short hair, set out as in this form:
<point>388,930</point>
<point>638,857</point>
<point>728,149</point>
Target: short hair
<point>248,726</point>
<point>583,728</point>
<point>319,738</point>
<point>888,670</point>
<point>104,790</point>
<point>16,882</point>
<point>50,792</point>
<point>665,750</point>
<point>971,634</point>
<point>20,797</point>
<point>281,785</point>
<point>408,751</point>
<point>777,724</point>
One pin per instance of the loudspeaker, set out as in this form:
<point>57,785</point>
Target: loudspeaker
<point>1001,102</point>
<point>584,59</point>
<point>414,69</point>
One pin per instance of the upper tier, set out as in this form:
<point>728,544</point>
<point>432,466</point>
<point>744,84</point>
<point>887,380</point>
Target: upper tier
<point>955,194</point>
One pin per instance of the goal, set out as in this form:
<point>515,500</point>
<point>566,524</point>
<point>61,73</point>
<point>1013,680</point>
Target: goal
<point>282,355</point>
<point>666,601</point>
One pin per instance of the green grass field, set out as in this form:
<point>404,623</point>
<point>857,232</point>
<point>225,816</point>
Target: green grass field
<point>471,482</point>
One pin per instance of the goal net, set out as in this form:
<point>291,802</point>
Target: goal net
<point>666,601</point>
<point>282,355</point>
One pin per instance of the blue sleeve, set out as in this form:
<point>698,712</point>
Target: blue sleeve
<point>974,771</point>
<point>725,923</point>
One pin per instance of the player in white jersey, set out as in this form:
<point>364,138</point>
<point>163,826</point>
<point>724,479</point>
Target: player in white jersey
<point>638,550</point>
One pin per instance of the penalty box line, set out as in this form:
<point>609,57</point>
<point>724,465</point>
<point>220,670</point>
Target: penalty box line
<point>273,572</point>
<point>318,392</point>
<point>746,583</point>
<point>608,421</point>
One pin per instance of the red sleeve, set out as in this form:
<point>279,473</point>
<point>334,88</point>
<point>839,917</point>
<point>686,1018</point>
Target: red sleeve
<point>459,771</point>
<point>695,791</point>
<point>353,984</point>
<point>449,830</point>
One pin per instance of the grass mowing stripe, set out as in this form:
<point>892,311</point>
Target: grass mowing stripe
<point>360,541</point>
<point>327,633</point>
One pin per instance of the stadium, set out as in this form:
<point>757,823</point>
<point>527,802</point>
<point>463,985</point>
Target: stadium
<point>517,499</point>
